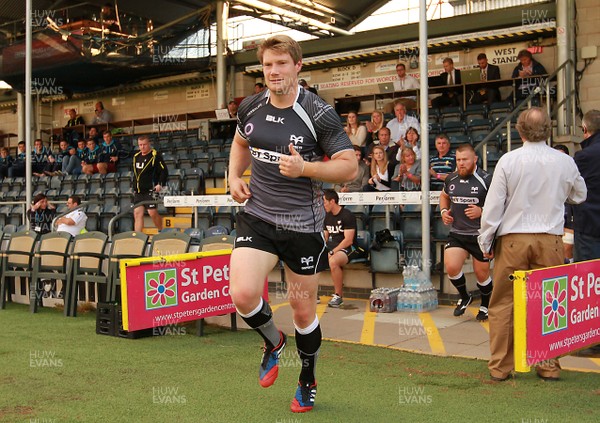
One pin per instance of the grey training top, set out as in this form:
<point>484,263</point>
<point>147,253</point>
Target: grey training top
<point>294,204</point>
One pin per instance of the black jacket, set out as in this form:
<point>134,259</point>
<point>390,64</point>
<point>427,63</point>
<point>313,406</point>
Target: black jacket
<point>587,214</point>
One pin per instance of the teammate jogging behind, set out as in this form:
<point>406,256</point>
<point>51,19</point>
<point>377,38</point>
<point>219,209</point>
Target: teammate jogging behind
<point>461,204</point>
<point>284,132</point>
<point>150,175</point>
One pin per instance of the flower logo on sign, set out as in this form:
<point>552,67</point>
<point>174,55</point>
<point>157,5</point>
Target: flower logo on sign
<point>554,307</point>
<point>161,289</point>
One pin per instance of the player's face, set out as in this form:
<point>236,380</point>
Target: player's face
<point>465,162</point>
<point>281,73</point>
<point>482,63</point>
<point>107,138</point>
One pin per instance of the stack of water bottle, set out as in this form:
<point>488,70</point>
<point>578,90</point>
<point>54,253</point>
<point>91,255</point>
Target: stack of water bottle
<point>417,294</point>
<point>384,300</point>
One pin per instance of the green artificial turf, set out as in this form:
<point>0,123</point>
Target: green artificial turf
<point>56,369</point>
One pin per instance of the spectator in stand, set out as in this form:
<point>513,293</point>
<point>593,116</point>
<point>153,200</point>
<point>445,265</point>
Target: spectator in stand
<point>373,126</point>
<point>18,166</point>
<point>258,88</point>
<point>391,151</point>
<point>401,123</point>
<point>101,115</point>
<point>74,119</point>
<point>6,162</point>
<point>56,162</point>
<point>89,164</point>
<point>450,76</point>
<point>441,164</point>
<point>340,225</point>
<point>93,134</point>
<point>356,132</point>
<point>381,171</point>
<point>410,140</point>
<point>39,158</point>
<point>73,164</point>
<point>362,177</point>
<point>527,68</point>
<point>487,73</point>
<point>305,85</point>
<point>109,156</point>
<point>73,222</point>
<point>41,214</point>
<point>232,108</point>
<point>404,83</point>
<point>408,172</point>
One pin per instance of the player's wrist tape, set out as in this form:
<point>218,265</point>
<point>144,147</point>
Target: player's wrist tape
<point>443,211</point>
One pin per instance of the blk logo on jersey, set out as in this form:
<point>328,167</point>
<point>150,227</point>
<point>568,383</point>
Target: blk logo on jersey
<point>275,119</point>
<point>243,239</point>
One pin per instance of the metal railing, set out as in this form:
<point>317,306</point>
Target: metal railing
<point>545,86</point>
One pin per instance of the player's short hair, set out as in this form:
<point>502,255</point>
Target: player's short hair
<point>330,194</point>
<point>465,147</point>
<point>280,44</point>
<point>75,199</point>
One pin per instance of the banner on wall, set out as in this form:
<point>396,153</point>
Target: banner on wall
<point>159,291</point>
<point>556,312</point>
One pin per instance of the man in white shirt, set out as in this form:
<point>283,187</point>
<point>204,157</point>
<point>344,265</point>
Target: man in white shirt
<point>75,221</point>
<point>404,83</point>
<point>400,125</point>
<point>524,213</point>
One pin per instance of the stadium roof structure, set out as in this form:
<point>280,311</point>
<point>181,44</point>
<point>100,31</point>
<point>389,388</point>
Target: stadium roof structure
<point>73,48</point>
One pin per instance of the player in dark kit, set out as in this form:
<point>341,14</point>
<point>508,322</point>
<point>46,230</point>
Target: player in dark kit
<point>150,175</point>
<point>461,204</point>
<point>284,133</point>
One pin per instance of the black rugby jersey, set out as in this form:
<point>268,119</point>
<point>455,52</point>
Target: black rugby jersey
<point>314,128</point>
<point>464,192</point>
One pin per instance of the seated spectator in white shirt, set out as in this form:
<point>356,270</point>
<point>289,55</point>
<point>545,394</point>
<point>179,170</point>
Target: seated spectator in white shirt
<point>73,222</point>
<point>401,123</point>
